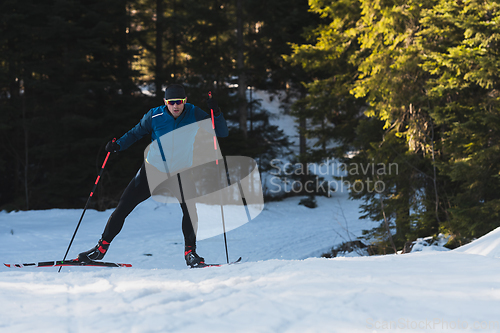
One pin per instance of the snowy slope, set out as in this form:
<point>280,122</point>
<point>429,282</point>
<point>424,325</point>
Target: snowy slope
<point>431,291</point>
<point>281,286</point>
<point>284,230</point>
<point>488,245</point>
<point>421,292</point>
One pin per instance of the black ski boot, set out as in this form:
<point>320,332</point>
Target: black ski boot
<point>95,253</point>
<point>192,258</point>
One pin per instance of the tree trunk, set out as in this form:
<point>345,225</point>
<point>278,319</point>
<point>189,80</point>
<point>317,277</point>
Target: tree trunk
<point>217,68</point>
<point>302,136</point>
<point>160,29</point>
<point>242,80</point>
<point>26,155</point>
<point>386,224</point>
<point>125,81</point>
<point>302,128</point>
<point>174,39</point>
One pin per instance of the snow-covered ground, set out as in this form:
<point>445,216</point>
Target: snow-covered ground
<point>281,285</point>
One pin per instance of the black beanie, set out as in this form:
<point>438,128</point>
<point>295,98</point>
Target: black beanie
<point>175,91</point>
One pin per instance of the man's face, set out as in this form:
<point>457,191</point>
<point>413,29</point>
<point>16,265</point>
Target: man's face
<point>174,106</point>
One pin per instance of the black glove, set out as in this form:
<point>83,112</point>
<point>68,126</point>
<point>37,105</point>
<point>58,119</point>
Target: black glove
<point>212,105</point>
<point>112,147</point>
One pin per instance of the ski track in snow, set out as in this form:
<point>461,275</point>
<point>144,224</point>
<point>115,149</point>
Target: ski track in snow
<point>311,295</point>
<point>270,292</point>
<point>281,286</point>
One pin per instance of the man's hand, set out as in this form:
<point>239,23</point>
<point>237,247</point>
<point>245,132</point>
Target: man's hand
<point>212,105</point>
<point>112,147</point>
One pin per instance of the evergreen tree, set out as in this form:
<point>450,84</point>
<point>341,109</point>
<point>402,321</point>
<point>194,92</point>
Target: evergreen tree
<point>331,111</point>
<point>426,71</point>
<point>462,54</point>
<point>67,82</point>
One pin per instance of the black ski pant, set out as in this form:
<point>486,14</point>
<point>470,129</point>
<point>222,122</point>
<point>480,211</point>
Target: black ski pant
<point>136,192</point>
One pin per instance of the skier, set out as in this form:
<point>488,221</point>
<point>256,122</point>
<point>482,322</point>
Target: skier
<point>157,122</point>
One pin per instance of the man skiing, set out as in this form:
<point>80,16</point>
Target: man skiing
<point>157,122</point>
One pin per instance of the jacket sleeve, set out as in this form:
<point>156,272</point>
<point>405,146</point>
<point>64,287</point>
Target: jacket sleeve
<point>144,127</point>
<point>219,122</point>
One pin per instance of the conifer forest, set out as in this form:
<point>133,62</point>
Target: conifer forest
<point>373,83</point>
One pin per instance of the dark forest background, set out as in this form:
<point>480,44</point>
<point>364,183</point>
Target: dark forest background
<point>409,82</point>
<point>71,72</point>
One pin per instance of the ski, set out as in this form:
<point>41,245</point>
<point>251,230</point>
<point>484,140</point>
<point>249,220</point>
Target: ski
<point>74,262</point>
<point>217,265</point>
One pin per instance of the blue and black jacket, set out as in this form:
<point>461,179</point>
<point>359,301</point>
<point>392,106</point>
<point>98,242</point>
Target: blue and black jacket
<point>159,121</point>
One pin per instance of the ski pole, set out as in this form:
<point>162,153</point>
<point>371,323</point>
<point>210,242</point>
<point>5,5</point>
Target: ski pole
<point>86,205</point>
<point>217,163</point>
<point>213,127</point>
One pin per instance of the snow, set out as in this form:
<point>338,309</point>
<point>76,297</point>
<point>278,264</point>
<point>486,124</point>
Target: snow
<point>422,291</point>
<point>285,122</point>
<point>488,245</point>
<point>430,244</point>
<point>281,285</point>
